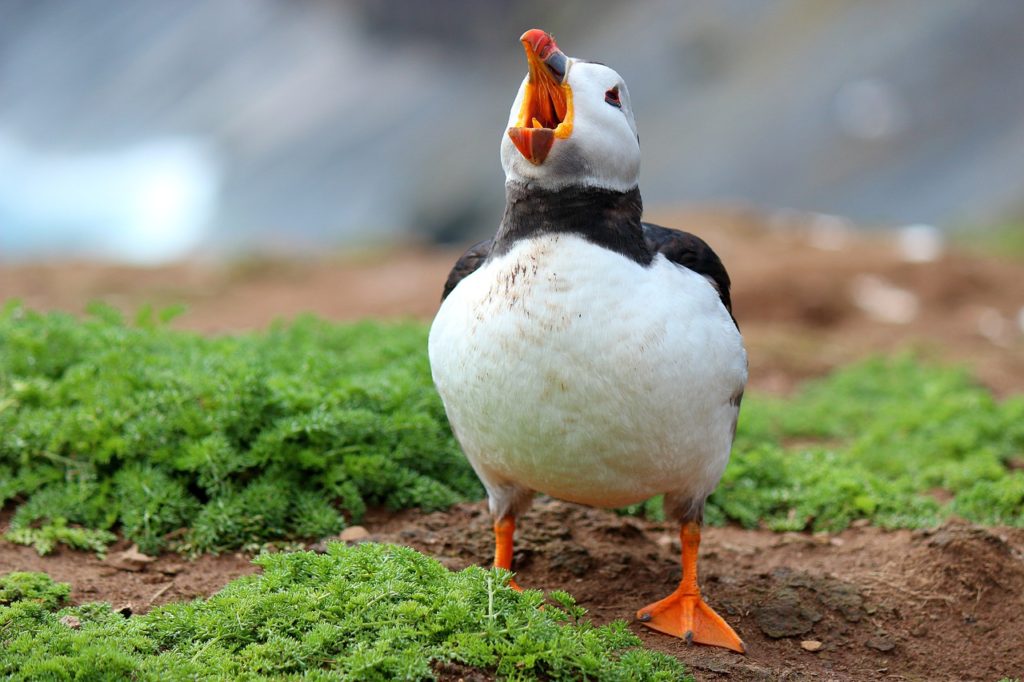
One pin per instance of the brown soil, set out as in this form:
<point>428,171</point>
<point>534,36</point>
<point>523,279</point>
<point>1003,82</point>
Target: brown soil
<point>940,604</point>
<point>125,584</point>
<point>943,605</point>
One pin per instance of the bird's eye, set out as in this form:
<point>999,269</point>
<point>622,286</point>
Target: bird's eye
<point>612,97</point>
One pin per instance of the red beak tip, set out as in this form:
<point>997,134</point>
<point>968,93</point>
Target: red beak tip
<point>539,41</point>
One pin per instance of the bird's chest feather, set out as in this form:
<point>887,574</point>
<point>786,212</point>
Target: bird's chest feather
<point>569,368</point>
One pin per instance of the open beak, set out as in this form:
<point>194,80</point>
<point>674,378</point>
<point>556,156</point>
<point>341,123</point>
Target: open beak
<point>546,112</point>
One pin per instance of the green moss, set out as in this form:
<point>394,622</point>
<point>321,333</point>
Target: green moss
<point>372,612</point>
<point>883,440</point>
<point>208,444</point>
<point>37,588</point>
<point>239,440</point>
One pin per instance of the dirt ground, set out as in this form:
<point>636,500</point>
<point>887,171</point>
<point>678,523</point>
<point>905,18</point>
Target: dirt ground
<point>944,604</point>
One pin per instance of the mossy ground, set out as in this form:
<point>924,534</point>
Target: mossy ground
<point>239,440</point>
<point>201,444</point>
<point>893,441</point>
<point>179,441</point>
<point>371,612</point>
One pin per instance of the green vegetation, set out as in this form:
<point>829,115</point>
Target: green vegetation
<point>1005,241</point>
<point>240,440</point>
<point>372,612</point>
<point>883,440</point>
<point>206,444</point>
<point>32,587</point>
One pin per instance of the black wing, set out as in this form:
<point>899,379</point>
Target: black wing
<point>691,252</point>
<point>467,265</point>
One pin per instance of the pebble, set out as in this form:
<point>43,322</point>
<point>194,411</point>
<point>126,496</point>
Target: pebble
<point>354,534</point>
<point>786,615</point>
<point>72,622</point>
<point>880,643</point>
<point>131,559</point>
<point>811,645</point>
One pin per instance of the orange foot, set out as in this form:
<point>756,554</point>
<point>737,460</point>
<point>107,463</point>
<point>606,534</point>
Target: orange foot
<point>689,617</point>
<point>504,529</point>
<point>683,613</point>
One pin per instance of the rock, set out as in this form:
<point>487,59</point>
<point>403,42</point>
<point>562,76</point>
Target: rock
<point>720,667</point>
<point>785,615</point>
<point>131,559</point>
<point>791,538</point>
<point>844,598</point>
<point>71,621</point>
<point>354,534</point>
<point>881,642</point>
<point>811,645</point>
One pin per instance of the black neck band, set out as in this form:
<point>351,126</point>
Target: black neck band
<point>604,217</point>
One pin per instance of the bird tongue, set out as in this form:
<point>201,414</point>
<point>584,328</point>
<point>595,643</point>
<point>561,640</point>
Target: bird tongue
<point>545,102</point>
<point>533,143</point>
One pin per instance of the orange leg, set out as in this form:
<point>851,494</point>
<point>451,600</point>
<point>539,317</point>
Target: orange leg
<point>683,613</point>
<point>504,529</point>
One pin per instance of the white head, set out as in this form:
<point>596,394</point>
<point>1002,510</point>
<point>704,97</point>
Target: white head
<point>570,124</point>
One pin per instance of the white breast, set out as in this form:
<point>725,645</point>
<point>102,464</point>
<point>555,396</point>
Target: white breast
<point>572,370</point>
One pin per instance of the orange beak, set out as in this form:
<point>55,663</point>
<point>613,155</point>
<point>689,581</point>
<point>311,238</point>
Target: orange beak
<point>546,111</point>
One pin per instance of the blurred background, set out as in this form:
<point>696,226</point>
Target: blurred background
<point>147,131</point>
<point>327,151</point>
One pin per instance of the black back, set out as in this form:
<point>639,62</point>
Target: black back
<point>603,217</point>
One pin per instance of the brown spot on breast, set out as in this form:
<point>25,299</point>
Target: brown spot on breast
<point>558,284</point>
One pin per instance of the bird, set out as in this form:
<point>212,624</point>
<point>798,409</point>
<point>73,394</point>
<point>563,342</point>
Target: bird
<point>581,352</point>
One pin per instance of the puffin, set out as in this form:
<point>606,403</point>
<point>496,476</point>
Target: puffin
<point>581,352</point>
